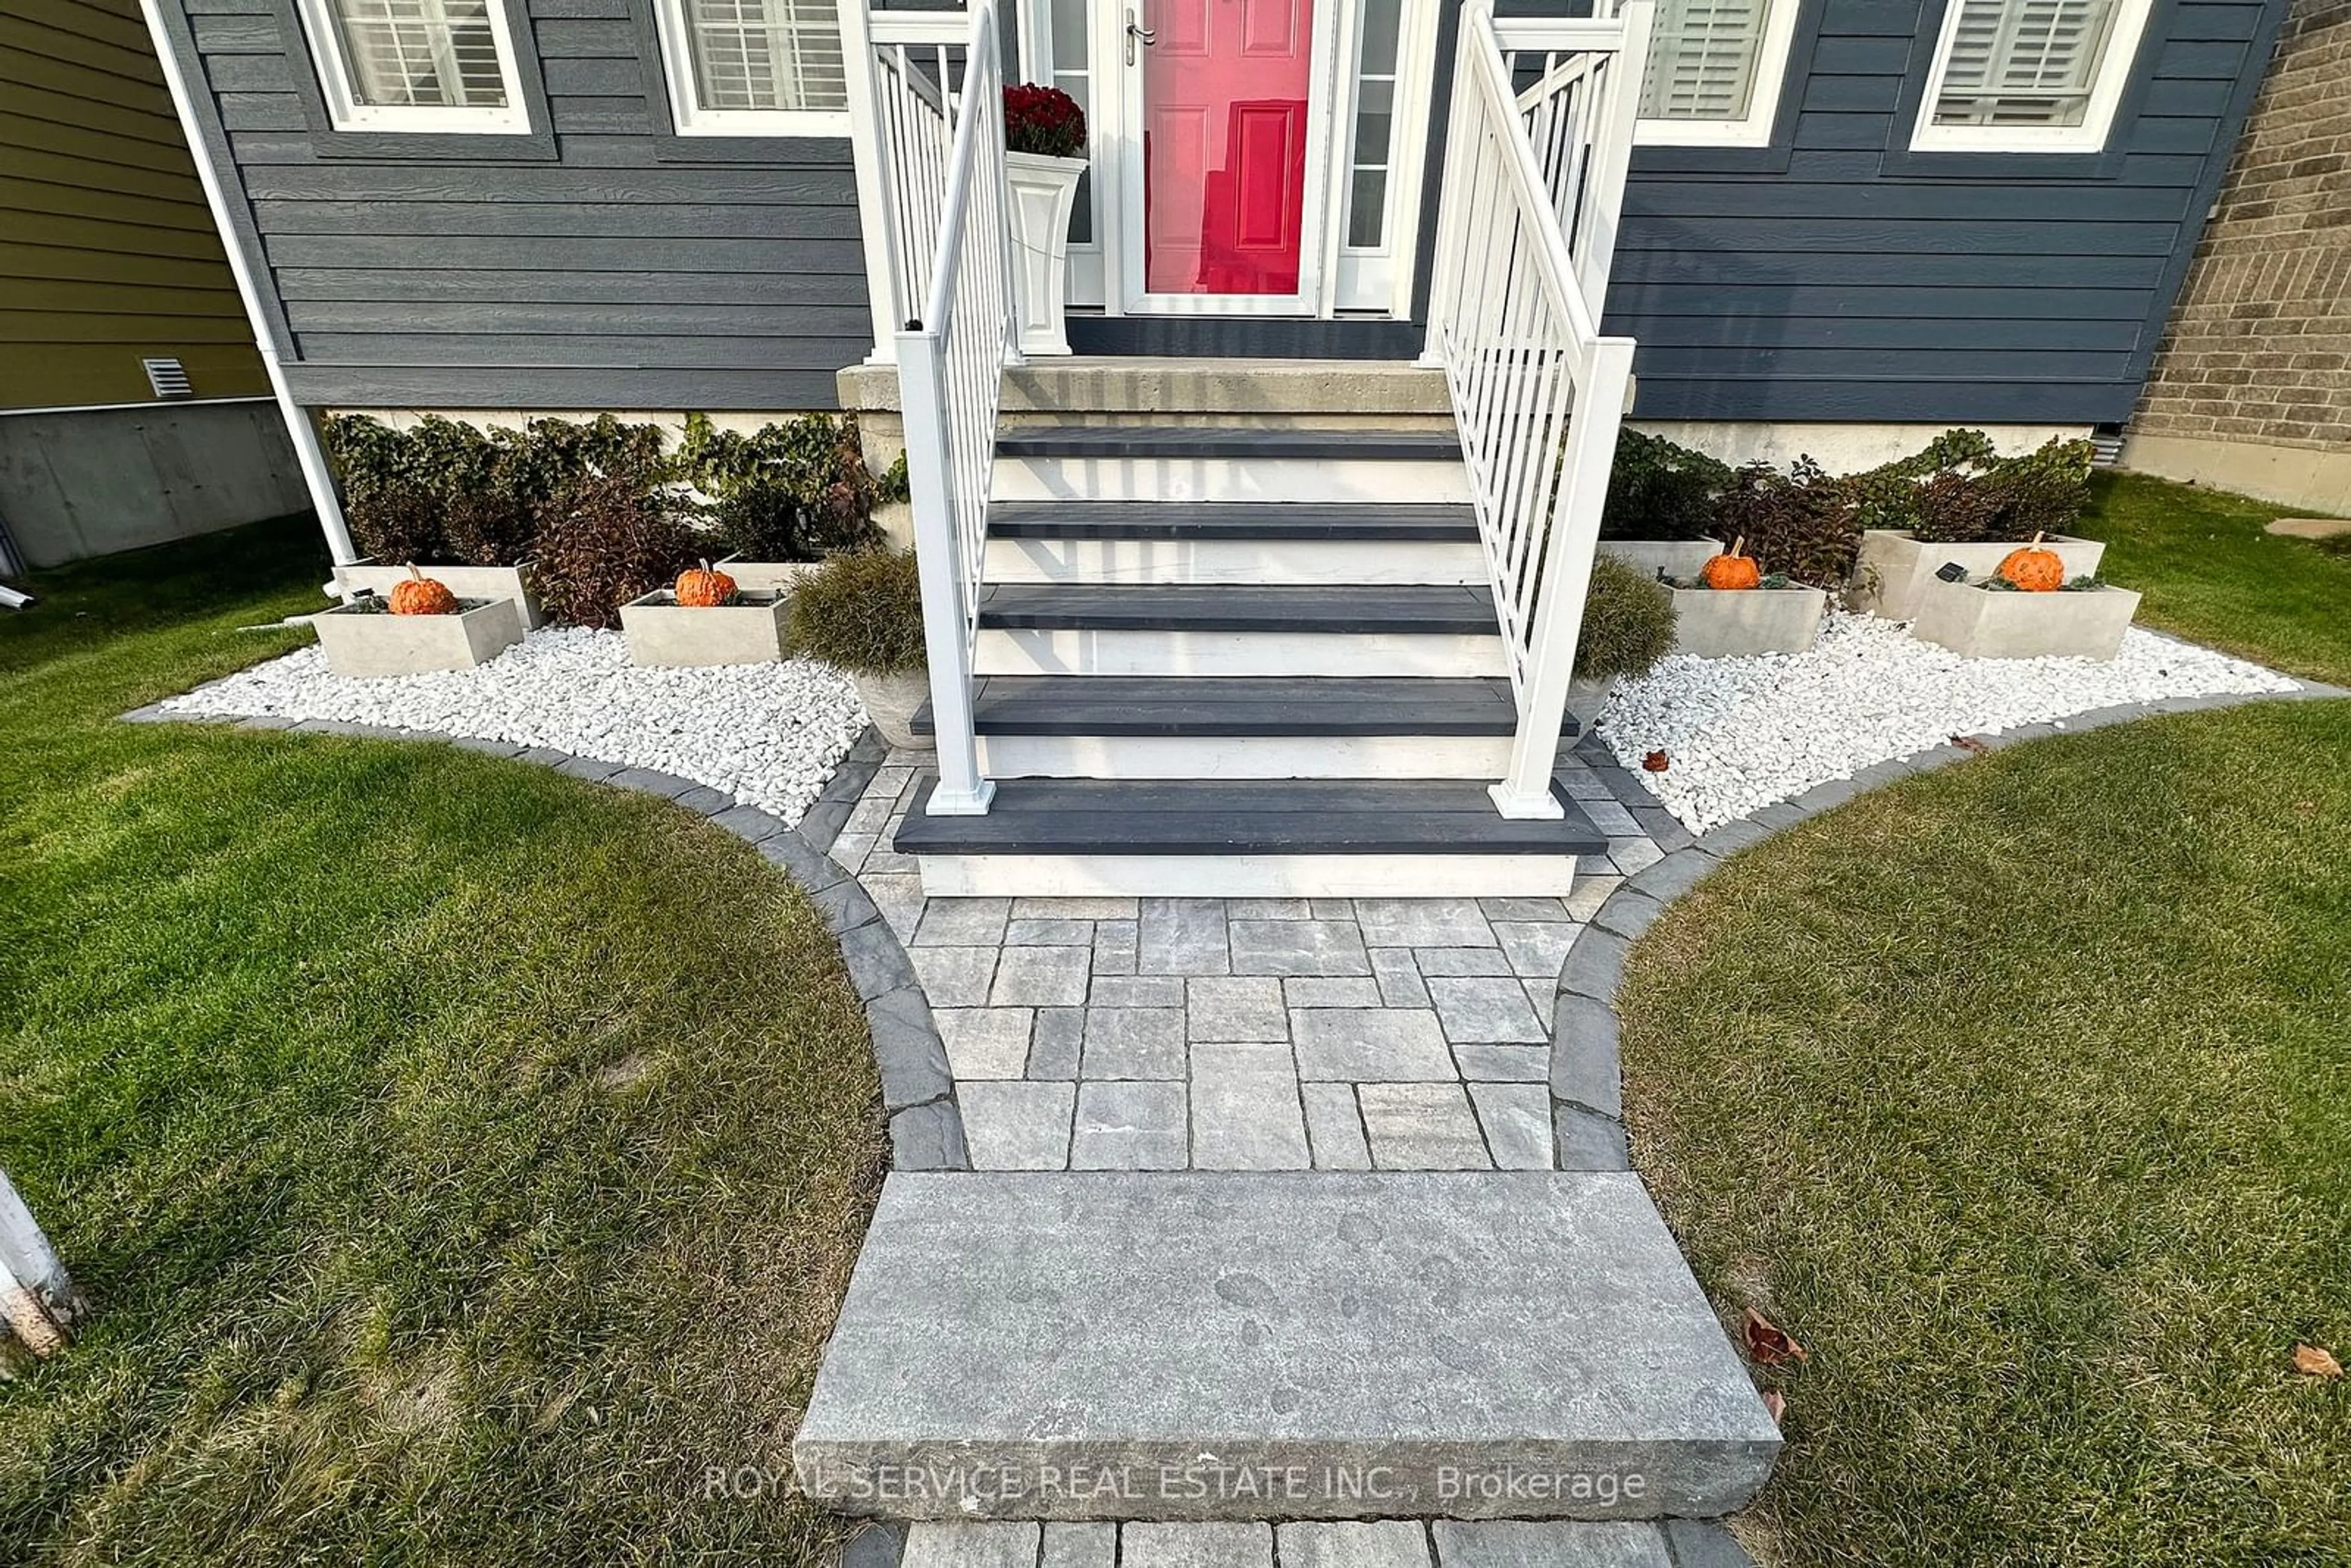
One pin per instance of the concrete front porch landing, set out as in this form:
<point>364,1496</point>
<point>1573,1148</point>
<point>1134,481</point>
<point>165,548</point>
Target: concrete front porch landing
<point>1305,1345</point>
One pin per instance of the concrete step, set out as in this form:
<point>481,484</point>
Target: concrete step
<point>1304,1345</point>
<point>1234,838</point>
<point>1381,1544</point>
<point>1201,542</point>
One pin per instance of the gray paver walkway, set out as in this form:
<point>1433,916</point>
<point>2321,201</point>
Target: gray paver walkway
<point>1242,1033</point>
<point>1381,1544</point>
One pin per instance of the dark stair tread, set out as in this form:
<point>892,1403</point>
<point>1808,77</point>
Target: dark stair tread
<point>1230,817</point>
<point>1446,522</point>
<point>1090,607</point>
<point>1177,441</point>
<point>1239,705</point>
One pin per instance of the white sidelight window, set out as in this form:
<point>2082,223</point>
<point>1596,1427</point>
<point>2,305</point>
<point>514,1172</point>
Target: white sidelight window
<point>416,65</point>
<point>2028,76</point>
<point>1715,71</point>
<point>755,68</point>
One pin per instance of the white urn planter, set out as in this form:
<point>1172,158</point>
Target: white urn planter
<point>366,641</point>
<point>890,702</point>
<point>664,634</point>
<point>1895,571</point>
<point>1043,190</point>
<point>1978,623</point>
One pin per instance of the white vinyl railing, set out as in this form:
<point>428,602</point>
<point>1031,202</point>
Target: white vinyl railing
<point>944,153</point>
<point>1540,135</point>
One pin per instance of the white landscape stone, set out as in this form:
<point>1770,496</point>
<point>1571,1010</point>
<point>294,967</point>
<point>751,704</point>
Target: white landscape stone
<point>768,735</point>
<point>1743,733</point>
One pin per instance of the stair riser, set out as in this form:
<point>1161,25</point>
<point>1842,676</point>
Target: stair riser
<point>1022,652</point>
<point>1244,756</point>
<point>1227,479</point>
<point>1247,876</point>
<point>1238,563</point>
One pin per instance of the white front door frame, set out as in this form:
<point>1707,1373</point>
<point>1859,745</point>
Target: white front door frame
<point>1107,274</point>
<point>1321,69</point>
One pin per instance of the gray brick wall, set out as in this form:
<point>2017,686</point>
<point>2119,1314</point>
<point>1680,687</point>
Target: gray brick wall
<point>2259,348</point>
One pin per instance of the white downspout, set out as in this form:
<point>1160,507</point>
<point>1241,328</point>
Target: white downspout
<point>316,475</point>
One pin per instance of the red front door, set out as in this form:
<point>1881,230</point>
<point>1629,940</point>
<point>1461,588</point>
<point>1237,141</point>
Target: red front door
<point>1224,145</point>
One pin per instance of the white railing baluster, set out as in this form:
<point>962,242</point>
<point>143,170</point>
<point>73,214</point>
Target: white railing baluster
<point>939,157</point>
<point>1534,181</point>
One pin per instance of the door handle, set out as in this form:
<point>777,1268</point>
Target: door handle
<point>1135,30</point>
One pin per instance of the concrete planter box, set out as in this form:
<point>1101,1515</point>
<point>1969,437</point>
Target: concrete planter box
<point>1895,571</point>
<point>466,582</point>
<point>1717,624</point>
<point>1675,558</point>
<point>372,642</point>
<point>662,631</point>
<point>767,576</point>
<point>1983,623</point>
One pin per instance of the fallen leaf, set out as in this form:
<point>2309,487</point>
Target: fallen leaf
<point>2316,1362</point>
<point>1769,1344</point>
<point>1778,1408</point>
<point>1656,762</point>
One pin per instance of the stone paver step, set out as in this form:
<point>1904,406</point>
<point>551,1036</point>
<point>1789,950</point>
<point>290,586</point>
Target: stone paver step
<point>1384,1543</point>
<point>1206,1346</point>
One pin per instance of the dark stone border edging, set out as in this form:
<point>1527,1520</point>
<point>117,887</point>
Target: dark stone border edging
<point>1587,1097</point>
<point>917,1088</point>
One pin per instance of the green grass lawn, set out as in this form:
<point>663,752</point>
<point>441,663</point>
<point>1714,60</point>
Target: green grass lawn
<point>2209,572</point>
<point>460,1159</point>
<point>2017,1093</point>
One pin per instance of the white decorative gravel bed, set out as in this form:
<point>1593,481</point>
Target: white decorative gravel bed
<point>1743,733</point>
<point>769,734</point>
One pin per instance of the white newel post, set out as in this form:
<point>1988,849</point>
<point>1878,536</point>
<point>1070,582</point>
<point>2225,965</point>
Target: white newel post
<point>946,625</point>
<point>869,155</point>
<point>1041,190</point>
<point>1525,789</point>
<point>38,1299</point>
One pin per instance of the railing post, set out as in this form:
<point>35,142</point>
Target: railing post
<point>1613,156</point>
<point>1525,790</point>
<point>947,630</point>
<point>1452,204</point>
<point>875,219</point>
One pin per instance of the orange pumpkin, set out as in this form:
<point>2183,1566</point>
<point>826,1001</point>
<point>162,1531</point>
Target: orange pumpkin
<point>704,587</point>
<point>2032,569</point>
<point>421,595</point>
<point>1732,569</point>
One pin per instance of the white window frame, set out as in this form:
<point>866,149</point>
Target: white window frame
<point>2113,72</point>
<point>337,85</point>
<point>1754,127</point>
<point>691,119</point>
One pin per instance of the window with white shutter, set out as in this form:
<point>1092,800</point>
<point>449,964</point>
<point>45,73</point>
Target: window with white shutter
<point>754,66</point>
<point>2030,75</point>
<point>1714,71</point>
<point>416,65</point>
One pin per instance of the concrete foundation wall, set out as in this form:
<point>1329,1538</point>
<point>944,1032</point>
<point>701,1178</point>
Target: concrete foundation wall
<point>1840,448</point>
<point>2311,478</point>
<point>91,481</point>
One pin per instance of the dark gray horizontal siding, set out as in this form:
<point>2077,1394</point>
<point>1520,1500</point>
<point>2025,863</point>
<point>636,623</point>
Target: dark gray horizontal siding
<point>616,275</point>
<point>1840,276</point>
